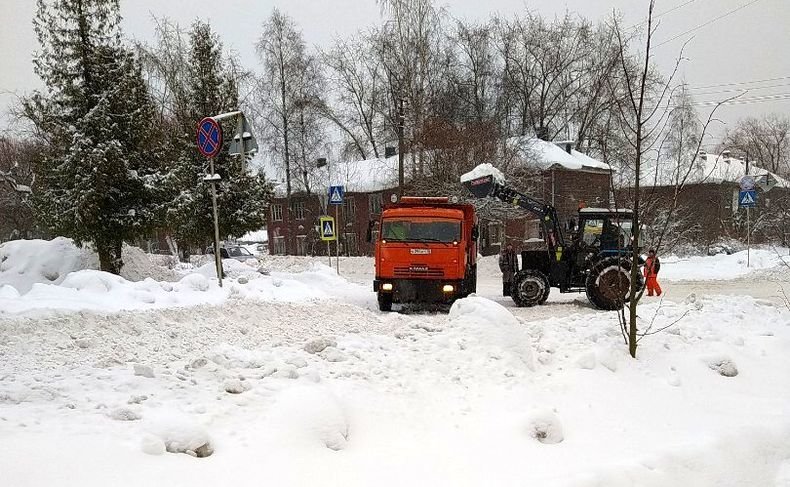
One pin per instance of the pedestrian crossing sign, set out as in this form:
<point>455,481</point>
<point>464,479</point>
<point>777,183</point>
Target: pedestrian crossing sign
<point>747,199</point>
<point>336,195</point>
<point>327,226</point>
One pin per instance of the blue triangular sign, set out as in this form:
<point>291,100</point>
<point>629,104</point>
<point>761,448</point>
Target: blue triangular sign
<point>328,230</point>
<point>336,198</point>
<point>747,199</point>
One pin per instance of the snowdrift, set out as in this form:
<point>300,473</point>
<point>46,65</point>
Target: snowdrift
<point>24,263</point>
<point>722,266</point>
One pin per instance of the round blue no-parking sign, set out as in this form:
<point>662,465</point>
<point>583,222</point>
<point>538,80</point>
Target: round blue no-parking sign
<point>209,137</point>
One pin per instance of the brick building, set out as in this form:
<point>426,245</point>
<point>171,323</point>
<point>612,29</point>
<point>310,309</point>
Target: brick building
<point>554,173</point>
<point>707,206</point>
<point>368,185</point>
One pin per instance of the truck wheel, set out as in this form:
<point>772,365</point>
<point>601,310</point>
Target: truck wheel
<point>608,285</point>
<point>530,287</point>
<point>385,301</point>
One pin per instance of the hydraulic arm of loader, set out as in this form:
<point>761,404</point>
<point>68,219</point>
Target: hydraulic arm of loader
<point>487,186</point>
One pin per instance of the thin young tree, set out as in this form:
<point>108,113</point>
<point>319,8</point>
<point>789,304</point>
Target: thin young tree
<point>643,112</point>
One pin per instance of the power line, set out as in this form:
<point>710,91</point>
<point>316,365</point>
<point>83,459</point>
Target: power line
<point>746,101</point>
<point>705,24</point>
<point>664,13</point>
<point>738,83</point>
<point>742,90</point>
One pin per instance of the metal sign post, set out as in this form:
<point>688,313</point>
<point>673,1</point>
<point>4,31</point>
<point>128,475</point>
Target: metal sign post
<point>336,196</point>
<point>209,142</point>
<point>747,198</point>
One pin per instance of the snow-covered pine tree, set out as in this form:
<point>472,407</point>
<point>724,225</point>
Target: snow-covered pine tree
<point>98,176</point>
<point>242,198</point>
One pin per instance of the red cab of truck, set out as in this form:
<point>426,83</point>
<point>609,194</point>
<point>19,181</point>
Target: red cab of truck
<point>426,252</point>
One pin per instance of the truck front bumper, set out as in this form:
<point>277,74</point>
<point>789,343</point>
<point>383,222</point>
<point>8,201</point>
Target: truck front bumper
<point>419,290</point>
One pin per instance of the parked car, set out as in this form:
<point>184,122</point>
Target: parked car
<point>235,252</point>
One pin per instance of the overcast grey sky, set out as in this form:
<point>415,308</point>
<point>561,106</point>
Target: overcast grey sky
<point>748,45</point>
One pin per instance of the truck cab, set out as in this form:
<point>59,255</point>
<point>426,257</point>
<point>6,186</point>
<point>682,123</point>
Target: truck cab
<point>426,252</point>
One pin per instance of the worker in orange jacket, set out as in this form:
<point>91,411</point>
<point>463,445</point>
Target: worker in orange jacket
<point>652,266</point>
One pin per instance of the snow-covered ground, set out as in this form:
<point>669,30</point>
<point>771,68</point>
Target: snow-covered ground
<point>294,378</point>
<point>723,266</point>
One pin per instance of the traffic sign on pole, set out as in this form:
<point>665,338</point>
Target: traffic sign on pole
<point>747,199</point>
<point>766,182</point>
<point>336,195</point>
<point>327,226</point>
<point>209,137</point>
<point>243,140</point>
<point>747,183</point>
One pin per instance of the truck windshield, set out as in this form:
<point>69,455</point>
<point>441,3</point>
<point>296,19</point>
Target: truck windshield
<point>421,230</point>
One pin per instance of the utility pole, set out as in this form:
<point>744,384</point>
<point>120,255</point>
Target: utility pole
<point>748,224</point>
<point>401,120</point>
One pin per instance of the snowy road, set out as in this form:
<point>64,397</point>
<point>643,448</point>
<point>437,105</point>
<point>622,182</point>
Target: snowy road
<point>326,390</point>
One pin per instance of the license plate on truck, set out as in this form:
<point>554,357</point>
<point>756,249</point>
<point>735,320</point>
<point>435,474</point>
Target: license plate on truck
<point>420,251</point>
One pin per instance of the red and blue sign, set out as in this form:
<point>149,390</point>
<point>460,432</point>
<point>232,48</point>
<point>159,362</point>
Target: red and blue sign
<point>209,137</point>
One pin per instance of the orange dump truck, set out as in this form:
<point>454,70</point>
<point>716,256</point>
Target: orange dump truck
<point>426,252</point>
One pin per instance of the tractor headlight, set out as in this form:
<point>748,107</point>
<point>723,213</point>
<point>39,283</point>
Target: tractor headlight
<point>448,288</point>
<point>387,286</point>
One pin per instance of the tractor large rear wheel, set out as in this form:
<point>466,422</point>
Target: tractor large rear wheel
<point>608,285</point>
<point>530,288</point>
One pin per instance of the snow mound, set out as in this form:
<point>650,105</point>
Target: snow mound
<point>311,415</point>
<point>195,282</point>
<point>179,435</point>
<point>27,262</point>
<point>545,427</point>
<point>481,170</point>
<point>722,266</point>
<point>93,281</point>
<point>488,324</point>
<point>319,344</point>
<point>236,386</point>
<point>233,269</point>
<point>8,291</point>
<point>24,263</point>
<point>724,365</point>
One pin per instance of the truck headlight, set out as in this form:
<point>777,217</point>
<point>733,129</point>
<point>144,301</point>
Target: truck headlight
<point>387,286</point>
<point>448,288</point>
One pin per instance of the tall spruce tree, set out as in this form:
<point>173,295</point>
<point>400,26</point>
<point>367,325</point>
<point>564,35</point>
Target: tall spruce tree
<point>242,198</point>
<point>98,174</point>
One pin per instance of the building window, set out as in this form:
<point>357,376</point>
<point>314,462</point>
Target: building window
<point>351,244</point>
<point>301,245</point>
<point>279,245</point>
<point>349,209</point>
<point>495,231</point>
<point>297,210</point>
<point>375,203</point>
<point>277,213</point>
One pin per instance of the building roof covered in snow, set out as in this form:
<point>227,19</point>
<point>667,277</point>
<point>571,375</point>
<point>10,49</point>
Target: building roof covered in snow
<point>378,174</point>
<point>707,168</point>
<point>365,176</point>
<point>549,155</point>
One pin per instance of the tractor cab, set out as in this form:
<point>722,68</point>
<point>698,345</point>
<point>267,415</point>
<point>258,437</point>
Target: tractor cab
<point>604,231</point>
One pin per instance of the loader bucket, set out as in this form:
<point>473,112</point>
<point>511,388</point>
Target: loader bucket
<point>480,187</point>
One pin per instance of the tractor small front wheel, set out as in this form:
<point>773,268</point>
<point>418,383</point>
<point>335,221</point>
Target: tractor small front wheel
<point>530,288</point>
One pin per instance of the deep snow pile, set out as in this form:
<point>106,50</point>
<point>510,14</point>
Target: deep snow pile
<point>328,393</point>
<point>101,291</point>
<point>24,263</point>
